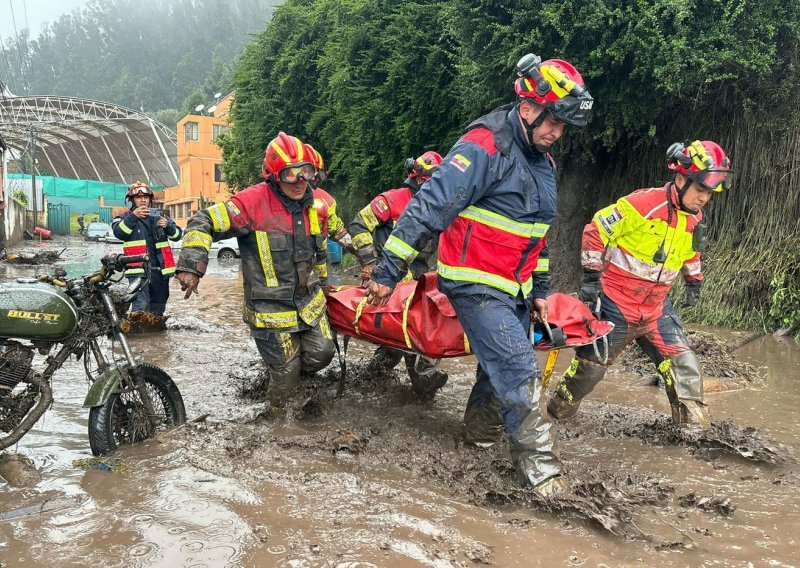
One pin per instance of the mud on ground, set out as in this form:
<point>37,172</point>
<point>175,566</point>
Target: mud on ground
<point>380,425</point>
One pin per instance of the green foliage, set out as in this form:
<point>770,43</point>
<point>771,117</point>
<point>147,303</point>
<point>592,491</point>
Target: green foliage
<point>370,82</point>
<point>143,55</point>
<point>20,197</point>
<point>785,307</point>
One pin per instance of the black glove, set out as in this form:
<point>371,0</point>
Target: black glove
<point>691,295</point>
<point>590,287</point>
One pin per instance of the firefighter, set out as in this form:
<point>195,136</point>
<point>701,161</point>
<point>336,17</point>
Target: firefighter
<point>494,198</point>
<point>144,230</point>
<point>370,229</point>
<point>337,232</point>
<point>632,252</point>
<point>281,231</point>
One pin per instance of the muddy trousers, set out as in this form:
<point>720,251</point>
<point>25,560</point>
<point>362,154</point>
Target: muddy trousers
<point>508,378</point>
<point>153,297</point>
<point>664,341</point>
<point>289,354</point>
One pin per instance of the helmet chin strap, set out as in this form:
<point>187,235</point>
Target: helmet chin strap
<point>681,192</point>
<point>531,126</point>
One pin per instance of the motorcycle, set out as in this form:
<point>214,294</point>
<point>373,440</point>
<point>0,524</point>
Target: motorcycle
<point>129,401</point>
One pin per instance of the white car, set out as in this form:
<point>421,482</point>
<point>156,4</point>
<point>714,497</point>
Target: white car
<point>226,249</point>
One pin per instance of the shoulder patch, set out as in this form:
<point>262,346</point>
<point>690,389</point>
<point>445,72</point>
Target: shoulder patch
<point>232,209</point>
<point>380,205</point>
<point>460,162</point>
<point>608,221</point>
<point>482,137</point>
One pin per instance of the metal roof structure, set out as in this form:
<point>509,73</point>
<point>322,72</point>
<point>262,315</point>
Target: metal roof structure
<point>88,139</point>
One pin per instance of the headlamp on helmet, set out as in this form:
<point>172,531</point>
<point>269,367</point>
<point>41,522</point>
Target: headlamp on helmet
<point>556,86</point>
<point>424,166</point>
<point>702,161</point>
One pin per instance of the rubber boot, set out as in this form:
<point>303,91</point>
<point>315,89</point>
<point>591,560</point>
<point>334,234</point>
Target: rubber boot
<point>690,414</point>
<point>426,379</point>
<point>553,488</point>
<point>561,405</point>
<point>483,423</point>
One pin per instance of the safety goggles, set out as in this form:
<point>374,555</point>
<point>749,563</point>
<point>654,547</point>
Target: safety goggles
<point>294,174</point>
<point>713,179</point>
<point>424,172</point>
<point>141,191</point>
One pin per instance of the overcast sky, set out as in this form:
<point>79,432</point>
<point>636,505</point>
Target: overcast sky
<point>38,13</point>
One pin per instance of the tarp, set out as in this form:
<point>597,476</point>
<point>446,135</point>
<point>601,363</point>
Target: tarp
<point>79,188</point>
<point>420,318</point>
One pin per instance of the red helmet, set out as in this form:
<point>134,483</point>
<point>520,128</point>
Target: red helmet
<point>317,161</point>
<point>424,166</point>
<point>555,85</point>
<point>286,159</point>
<point>139,188</point>
<point>702,161</point>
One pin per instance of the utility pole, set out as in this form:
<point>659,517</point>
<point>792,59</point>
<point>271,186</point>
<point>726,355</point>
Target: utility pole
<point>33,174</point>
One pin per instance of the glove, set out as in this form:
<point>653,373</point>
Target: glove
<point>691,294</point>
<point>366,272</point>
<point>590,287</point>
<point>325,289</point>
<point>189,283</point>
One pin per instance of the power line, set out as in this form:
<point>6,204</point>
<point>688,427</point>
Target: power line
<point>27,26</point>
<point>16,36</point>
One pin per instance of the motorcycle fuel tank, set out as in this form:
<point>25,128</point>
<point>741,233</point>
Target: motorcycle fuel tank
<point>36,311</point>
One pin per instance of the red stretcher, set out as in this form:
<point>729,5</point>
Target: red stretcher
<point>419,318</point>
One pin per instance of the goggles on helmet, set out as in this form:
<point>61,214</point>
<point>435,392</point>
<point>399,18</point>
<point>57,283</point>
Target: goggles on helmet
<point>713,179</point>
<point>293,174</point>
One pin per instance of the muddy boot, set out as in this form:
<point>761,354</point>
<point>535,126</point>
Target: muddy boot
<point>483,423</point>
<point>426,379</point>
<point>384,360</point>
<point>562,405</point>
<point>554,488</point>
<point>691,414</point>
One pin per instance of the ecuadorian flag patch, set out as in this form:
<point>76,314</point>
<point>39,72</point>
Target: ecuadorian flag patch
<point>232,209</point>
<point>461,162</point>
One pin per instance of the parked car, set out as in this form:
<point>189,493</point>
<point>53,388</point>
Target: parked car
<point>110,237</point>
<point>97,230</point>
<point>226,249</point>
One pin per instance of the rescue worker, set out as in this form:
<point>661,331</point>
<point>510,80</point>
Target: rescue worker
<point>632,252</point>
<point>371,228</point>
<point>494,198</point>
<point>81,228</point>
<point>281,231</point>
<point>143,230</point>
<point>337,232</point>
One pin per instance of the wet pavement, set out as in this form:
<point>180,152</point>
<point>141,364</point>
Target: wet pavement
<point>379,478</point>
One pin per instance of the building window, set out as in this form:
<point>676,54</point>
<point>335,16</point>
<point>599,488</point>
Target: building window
<point>218,177</point>
<point>191,131</point>
<point>219,129</point>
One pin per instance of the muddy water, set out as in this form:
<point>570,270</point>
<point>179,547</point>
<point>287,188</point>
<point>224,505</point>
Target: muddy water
<point>378,478</point>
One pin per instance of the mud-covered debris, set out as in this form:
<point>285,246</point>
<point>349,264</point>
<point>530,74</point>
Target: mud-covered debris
<point>27,257</point>
<point>261,532</point>
<point>715,504</point>
<point>716,359</point>
<point>143,322</point>
<point>349,441</point>
<point>18,470</point>
<point>311,407</point>
<point>114,465</point>
<point>671,546</point>
<point>654,428</point>
<point>479,553</point>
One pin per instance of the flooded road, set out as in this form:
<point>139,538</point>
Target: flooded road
<point>378,478</point>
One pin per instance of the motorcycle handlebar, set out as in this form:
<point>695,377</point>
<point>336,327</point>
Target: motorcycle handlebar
<point>119,262</point>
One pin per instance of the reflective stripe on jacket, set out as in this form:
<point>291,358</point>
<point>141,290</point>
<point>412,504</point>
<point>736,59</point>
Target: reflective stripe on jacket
<point>284,254</point>
<point>336,228</point>
<point>135,233</point>
<point>632,233</point>
<point>494,199</point>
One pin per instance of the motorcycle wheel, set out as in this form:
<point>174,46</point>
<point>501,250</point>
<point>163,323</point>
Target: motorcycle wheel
<point>123,419</point>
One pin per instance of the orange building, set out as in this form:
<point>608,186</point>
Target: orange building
<point>199,162</point>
